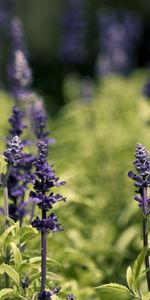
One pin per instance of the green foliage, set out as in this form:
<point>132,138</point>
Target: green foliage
<point>13,263</point>
<point>134,278</point>
<point>115,291</point>
<point>93,153</point>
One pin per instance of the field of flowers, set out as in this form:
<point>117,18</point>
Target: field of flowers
<point>74,185</point>
<point>93,152</point>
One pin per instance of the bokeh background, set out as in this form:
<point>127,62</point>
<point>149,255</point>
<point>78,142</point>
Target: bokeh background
<point>90,64</point>
<point>46,31</point>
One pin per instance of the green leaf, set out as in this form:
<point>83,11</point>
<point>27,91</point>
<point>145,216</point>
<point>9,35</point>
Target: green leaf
<point>138,263</point>
<point>10,221</point>
<point>16,254</point>
<point>10,293</point>
<point>3,165</point>
<point>11,272</point>
<point>129,277</point>
<point>26,266</point>
<point>26,233</point>
<point>37,259</point>
<point>146,296</point>
<point>10,230</point>
<point>116,291</point>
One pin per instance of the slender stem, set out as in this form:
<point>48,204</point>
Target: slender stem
<point>145,243</point>
<point>43,255</point>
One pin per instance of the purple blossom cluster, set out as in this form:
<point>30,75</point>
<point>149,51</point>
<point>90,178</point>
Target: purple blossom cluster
<point>16,121</point>
<point>19,72</point>
<point>20,172</point>
<point>47,295</point>
<point>13,154</point>
<point>50,223</point>
<point>119,37</point>
<point>74,31</point>
<point>142,178</point>
<point>45,179</point>
<point>39,121</point>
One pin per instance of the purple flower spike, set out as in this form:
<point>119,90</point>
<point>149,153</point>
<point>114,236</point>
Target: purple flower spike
<point>74,33</point>
<point>51,223</point>
<point>15,120</point>
<point>19,72</point>
<point>39,123</point>
<point>44,181</point>
<point>142,180</point>
<point>13,154</point>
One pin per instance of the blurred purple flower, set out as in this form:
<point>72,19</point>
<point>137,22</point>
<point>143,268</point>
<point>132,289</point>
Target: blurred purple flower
<point>119,37</point>
<point>74,30</point>
<point>18,70</point>
<point>16,121</point>
<point>142,179</point>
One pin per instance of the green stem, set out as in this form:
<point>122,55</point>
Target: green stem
<point>43,255</point>
<point>145,244</point>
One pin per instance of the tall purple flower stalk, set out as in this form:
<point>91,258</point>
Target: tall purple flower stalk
<point>74,29</point>
<point>20,174</point>
<point>45,180</point>
<point>19,72</point>
<point>119,37</point>
<point>13,156</point>
<point>39,121</point>
<point>142,182</point>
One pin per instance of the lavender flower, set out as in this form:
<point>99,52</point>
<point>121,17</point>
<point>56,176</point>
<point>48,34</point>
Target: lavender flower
<point>15,120</point>
<point>13,154</point>
<point>48,224</point>
<point>39,121</point>
<point>17,181</point>
<point>44,180</point>
<point>142,179</point>
<point>17,35</point>
<point>70,297</point>
<point>142,182</point>
<point>20,173</point>
<point>19,72</point>
<point>47,295</point>
<point>74,26</point>
<point>119,38</point>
